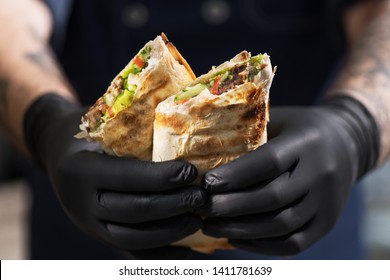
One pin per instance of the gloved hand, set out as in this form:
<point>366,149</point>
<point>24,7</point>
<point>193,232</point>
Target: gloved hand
<point>128,203</point>
<point>287,194</point>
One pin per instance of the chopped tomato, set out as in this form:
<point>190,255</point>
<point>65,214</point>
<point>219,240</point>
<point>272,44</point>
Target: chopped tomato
<point>216,84</point>
<point>183,101</point>
<point>103,108</point>
<point>110,112</point>
<point>139,62</point>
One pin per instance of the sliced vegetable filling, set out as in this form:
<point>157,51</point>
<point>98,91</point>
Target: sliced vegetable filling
<point>121,93</point>
<point>224,81</point>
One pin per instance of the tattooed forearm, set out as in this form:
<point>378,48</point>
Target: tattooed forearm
<point>366,75</point>
<point>27,63</point>
<point>368,66</point>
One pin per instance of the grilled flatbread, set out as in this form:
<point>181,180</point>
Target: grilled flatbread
<point>217,118</point>
<point>121,121</point>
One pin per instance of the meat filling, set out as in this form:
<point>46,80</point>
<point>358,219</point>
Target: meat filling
<point>94,116</point>
<point>225,81</point>
<point>238,77</point>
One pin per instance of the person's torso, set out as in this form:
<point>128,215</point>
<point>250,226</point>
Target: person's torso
<point>299,36</point>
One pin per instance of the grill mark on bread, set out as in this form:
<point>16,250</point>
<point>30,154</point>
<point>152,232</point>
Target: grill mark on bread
<point>178,125</point>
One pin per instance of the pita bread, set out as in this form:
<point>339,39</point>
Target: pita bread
<point>209,130</point>
<point>129,132</point>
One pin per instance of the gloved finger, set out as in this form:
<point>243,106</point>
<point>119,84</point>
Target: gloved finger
<point>260,198</point>
<point>266,162</point>
<point>273,224</point>
<point>153,234</point>
<point>132,175</point>
<point>162,253</point>
<point>136,208</point>
<point>288,245</point>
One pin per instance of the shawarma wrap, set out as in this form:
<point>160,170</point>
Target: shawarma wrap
<point>121,121</point>
<point>217,118</point>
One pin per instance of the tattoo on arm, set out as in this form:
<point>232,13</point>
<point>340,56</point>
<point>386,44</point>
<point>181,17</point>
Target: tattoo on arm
<point>368,65</point>
<point>366,74</point>
<point>44,57</point>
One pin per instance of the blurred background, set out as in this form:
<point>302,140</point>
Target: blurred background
<point>14,207</point>
<point>376,218</point>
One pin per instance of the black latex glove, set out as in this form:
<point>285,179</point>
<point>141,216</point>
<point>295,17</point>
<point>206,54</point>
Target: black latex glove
<point>287,194</point>
<point>128,203</point>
